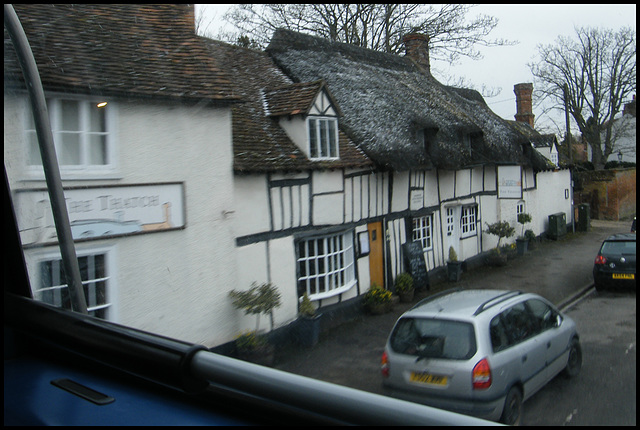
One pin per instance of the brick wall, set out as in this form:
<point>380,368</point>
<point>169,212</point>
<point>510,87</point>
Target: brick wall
<point>611,194</point>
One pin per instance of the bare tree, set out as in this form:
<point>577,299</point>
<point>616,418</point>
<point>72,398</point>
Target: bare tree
<point>379,27</point>
<point>595,73</point>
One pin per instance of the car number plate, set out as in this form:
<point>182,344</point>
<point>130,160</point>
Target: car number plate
<point>427,378</point>
<point>623,276</point>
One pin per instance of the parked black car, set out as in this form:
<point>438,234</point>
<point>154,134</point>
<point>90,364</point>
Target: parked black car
<point>615,264</point>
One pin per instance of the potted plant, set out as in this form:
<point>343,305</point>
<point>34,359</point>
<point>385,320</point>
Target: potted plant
<point>377,300</point>
<point>521,241</point>
<point>454,267</point>
<point>308,324</point>
<point>501,229</point>
<point>531,239</point>
<point>254,347</point>
<point>259,299</point>
<point>404,287</point>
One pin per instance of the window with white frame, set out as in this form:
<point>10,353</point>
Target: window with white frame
<point>519,208</point>
<point>468,220</point>
<point>51,286</point>
<point>325,265</point>
<point>423,231</point>
<point>323,137</point>
<point>80,133</point>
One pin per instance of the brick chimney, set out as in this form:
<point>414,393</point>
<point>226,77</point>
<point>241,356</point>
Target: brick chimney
<point>524,107</point>
<point>417,48</point>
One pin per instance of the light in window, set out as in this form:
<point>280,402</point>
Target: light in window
<point>80,134</point>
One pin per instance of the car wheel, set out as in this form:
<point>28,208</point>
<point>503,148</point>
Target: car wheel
<point>512,412</point>
<point>574,362</point>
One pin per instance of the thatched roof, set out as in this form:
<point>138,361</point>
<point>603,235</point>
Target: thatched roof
<point>388,100</point>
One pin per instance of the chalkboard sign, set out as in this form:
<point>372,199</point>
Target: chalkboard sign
<point>414,264</point>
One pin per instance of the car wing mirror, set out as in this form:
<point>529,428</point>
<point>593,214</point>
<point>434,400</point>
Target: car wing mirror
<point>558,321</point>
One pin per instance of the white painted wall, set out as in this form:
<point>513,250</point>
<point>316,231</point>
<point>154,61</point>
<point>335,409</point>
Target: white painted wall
<point>550,197</point>
<point>251,204</point>
<point>173,283</point>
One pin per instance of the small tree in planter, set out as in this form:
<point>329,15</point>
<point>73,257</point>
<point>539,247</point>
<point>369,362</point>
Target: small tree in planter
<point>454,267</point>
<point>531,238</point>
<point>404,287</point>
<point>501,229</point>
<point>308,325</point>
<point>259,299</point>
<point>521,241</point>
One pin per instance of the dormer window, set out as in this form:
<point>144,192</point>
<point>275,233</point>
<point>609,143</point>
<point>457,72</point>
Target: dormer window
<point>323,137</point>
<point>428,138</point>
<point>307,112</point>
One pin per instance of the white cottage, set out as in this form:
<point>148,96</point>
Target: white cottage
<point>143,137</point>
<point>303,190</point>
<point>445,165</point>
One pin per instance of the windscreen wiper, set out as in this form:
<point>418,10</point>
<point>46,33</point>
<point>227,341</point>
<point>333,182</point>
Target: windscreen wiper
<point>49,159</point>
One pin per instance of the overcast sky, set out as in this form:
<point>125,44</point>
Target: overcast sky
<point>503,67</point>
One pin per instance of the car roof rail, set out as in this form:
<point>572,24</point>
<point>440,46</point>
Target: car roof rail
<point>492,302</point>
<point>436,296</point>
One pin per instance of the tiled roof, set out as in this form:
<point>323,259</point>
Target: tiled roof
<point>387,100</point>
<point>292,99</point>
<point>259,143</point>
<point>295,99</point>
<point>129,50</point>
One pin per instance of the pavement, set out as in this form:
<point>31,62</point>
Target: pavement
<point>559,270</point>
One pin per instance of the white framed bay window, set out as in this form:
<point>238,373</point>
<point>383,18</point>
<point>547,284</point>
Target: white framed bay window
<point>323,137</point>
<point>325,265</point>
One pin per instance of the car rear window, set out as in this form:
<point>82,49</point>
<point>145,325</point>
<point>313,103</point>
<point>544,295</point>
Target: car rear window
<point>619,247</point>
<point>434,338</point>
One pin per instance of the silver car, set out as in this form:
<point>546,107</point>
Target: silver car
<point>479,352</point>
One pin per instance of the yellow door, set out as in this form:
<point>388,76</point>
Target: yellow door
<point>376,252</point>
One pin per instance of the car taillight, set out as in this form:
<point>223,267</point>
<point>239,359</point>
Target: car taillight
<point>600,260</point>
<point>481,376</point>
<point>384,364</point>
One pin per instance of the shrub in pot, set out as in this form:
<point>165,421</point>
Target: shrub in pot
<point>531,238</point>
<point>522,241</point>
<point>454,267</point>
<point>259,299</point>
<point>404,287</point>
<point>308,324</point>
<point>377,300</point>
<point>501,229</point>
